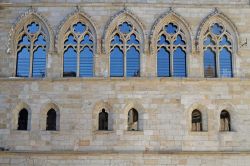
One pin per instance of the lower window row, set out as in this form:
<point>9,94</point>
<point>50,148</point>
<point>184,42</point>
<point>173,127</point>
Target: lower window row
<point>52,120</point>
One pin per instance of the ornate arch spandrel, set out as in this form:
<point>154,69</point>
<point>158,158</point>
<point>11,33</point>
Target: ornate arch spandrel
<point>213,17</point>
<point>29,15</point>
<point>66,28</point>
<point>229,31</point>
<point>118,18</point>
<point>163,20</point>
<point>183,30</point>
<point>69,20</point>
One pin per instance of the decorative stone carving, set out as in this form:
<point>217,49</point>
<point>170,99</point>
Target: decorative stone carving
<point>123,16</point>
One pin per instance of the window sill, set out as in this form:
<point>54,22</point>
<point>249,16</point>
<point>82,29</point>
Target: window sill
<point>20,131</point>
<point>103,132</point>
<point>199,133</point>
<point>50,132</point>
<point>134,132</point>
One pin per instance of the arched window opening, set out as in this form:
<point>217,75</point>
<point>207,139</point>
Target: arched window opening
<point>225,121</point>
<point>23,120</point>
<point>103,120</point>
<point>196,121</point>
<point>133,120</point>
<point>125,54</point>
<point>171,52</point>
<point>217,52</point>
<point>51,120</point>
<point>32,49</point>
<point>78,53</point>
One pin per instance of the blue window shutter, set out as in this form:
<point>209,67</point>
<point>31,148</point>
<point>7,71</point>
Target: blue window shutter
<point>163,63</point>
<point>179,63</point>
<point>133,62</point>
<point>225,63</point>
<point>70,63</point>
<point>209,63</point>
<point>116,63</point>
<point>86,62</point>
<point>39,63</point>
<point>23,63</point>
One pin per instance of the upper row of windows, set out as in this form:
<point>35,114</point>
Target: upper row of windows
<point>125,51</point>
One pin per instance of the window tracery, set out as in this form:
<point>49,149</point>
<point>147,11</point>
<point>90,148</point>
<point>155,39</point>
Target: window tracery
<point>217,51</point>
<point>32,50</point>
<point>78,51</point>
<point>125,51</point>
<point>171,51</point>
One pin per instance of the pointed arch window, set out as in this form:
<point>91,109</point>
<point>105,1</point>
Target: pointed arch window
<point>171,51</point>
<point>78,51</point>
<point>32,50</point>
<point>125,51</point>
<point>217,46</point>
<point>133,118</point>
<point>225,121</point>
<point>196,120</point>
<point>51,121</point>
<point>103,120</point>
<point>23,120</point>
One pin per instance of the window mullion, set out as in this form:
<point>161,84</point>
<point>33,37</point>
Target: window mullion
<point>78,58</point>
<point>125,59</point>
<point>217,61</point>
<point>171,60</point>
<point>31,57</point>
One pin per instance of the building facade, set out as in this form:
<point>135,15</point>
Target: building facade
<point>125,82</point>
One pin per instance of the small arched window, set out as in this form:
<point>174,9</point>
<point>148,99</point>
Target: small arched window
<point>217,46</point>
<point>196,121</point>
<point>103,120</point>
<point>23,120</point>
<point>78,53</point>
<point>51,120</point>
<point>225,121</point>
<point>125,54</point>
<point>133,120</point>
<point>32,49</point>
<point>171,52</point>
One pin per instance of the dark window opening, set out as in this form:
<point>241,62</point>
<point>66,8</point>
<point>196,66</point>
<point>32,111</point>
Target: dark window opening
<point>23,120</point>
<point>132,120</point>
<point>51,120</point>
<point>103,120</point>
<point>196,121</point>
<point>225,121</point>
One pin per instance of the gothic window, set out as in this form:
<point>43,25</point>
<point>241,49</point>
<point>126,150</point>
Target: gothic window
<point>196,121</point>
<point>23,120</point>
<point>225,121</point>
<point>32,49</point>
<point>51,120</point>
<point>103,120</point>
<point>133,120</point>
<point>78,56</point>
<point>217,46</point>
<point>171,51</point>
<point>125,54</point>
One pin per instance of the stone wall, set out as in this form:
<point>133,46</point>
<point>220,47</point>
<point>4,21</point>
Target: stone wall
<point>164,104</point>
